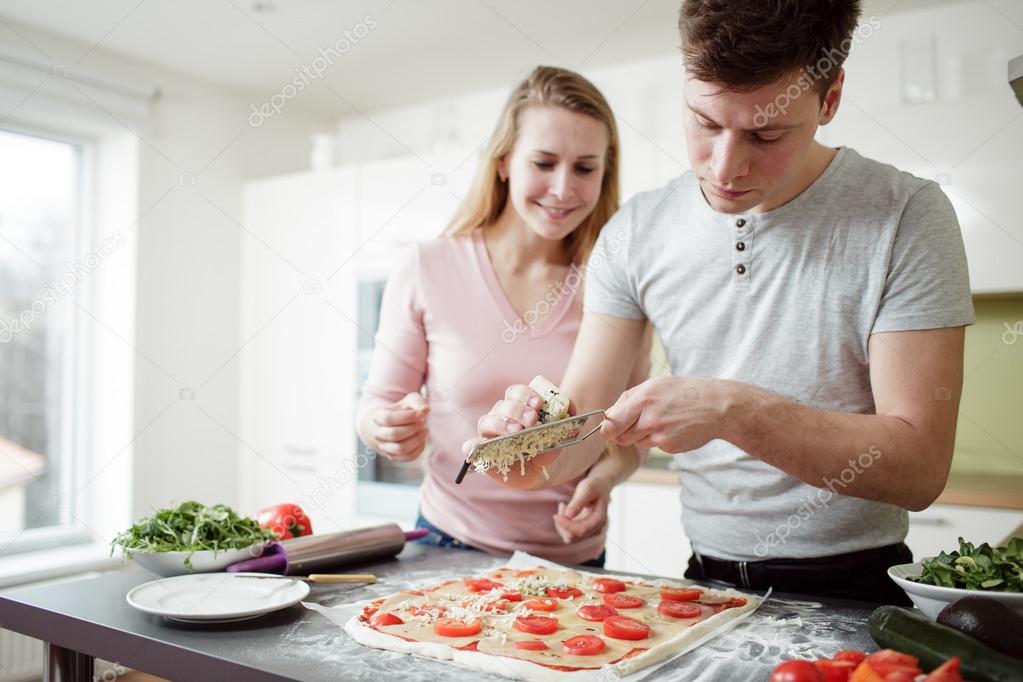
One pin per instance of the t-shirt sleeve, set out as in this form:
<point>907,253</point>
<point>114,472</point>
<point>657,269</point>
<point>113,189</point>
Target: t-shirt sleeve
<point>609,287</point>
<point>928,284</point>
<point>398,366</point>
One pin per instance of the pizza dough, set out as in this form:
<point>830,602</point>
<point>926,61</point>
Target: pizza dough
<point>501,596</point>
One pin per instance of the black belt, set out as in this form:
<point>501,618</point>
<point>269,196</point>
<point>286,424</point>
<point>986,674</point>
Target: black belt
<point>802,574</point>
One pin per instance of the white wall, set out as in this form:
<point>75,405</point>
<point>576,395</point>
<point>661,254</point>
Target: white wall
<point>968,138</point>
<point>196,148</point>
<point>645,95</point>
<point>189,276</point>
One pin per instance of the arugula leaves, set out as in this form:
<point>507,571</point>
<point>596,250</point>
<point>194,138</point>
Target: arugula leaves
<point>191,527</point>
<point>997,569</point>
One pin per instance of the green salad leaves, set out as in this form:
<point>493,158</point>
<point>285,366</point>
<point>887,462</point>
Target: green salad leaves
<point>997,569</point>
<point>192,527</point>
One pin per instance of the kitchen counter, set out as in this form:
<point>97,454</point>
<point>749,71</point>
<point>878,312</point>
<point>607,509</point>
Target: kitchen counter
<point>1002,491</point>
<point>90,618</point>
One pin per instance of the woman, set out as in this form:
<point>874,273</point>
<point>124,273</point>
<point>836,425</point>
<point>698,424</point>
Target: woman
<point>495,301</point>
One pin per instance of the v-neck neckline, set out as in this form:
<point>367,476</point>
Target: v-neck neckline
<point>500,298</point>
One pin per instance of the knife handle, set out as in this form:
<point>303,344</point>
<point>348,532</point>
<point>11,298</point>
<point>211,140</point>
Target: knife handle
<point>342,578</point>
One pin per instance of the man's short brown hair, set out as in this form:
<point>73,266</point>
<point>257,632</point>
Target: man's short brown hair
<point>745,44</point>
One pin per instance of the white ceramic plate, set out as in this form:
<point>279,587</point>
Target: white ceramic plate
<point>931,599</point>
<point>205,561</point>
<point>217,597</point>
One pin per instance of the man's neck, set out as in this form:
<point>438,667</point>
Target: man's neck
<point>818,158</point>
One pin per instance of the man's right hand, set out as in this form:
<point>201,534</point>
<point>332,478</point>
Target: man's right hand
<point>399,429</point>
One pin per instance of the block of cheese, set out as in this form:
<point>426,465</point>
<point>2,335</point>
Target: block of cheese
<point>555,405</point>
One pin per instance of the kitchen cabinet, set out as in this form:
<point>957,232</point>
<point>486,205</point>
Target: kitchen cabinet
<point>645,533</point>
<point>321,246</point>
<point>298,322</point>
<point>938,527</point>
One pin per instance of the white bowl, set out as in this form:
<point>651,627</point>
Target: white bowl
<point>167,564</point>
<point>931,599</point>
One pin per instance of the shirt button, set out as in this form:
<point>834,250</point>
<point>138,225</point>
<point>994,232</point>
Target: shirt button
<point>741,269</point>
<point>740,222</point>
<point>740,246</point>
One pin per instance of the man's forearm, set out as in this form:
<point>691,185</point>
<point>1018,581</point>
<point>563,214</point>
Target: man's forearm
<point>878,457</point>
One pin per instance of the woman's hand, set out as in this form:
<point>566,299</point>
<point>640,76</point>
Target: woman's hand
<point>519,410</point>
<point>399,430</point>
<point>585,514</point>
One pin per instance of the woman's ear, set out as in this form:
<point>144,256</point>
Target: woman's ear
<point>502,168</point>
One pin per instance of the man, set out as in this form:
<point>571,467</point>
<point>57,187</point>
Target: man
<point>812,306</point>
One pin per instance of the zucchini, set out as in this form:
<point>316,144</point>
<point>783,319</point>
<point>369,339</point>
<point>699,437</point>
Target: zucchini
<point>902,630</point>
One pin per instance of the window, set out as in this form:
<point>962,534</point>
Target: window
<point>41,273</point>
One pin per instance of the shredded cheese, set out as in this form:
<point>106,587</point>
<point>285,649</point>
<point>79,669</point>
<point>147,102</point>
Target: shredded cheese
<point>504,454</point>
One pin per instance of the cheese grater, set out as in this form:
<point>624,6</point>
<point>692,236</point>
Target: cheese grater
<point>535,440</point>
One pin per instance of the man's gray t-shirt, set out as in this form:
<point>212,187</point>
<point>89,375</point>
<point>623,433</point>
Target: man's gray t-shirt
<point>785,300</point>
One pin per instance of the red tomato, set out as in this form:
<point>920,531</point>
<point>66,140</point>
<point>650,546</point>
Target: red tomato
<point>621,627</point>
<point>450,627</point>
<point>536,625</point>
<point>481,585</point>
<point>564,592</point>
<point>888,662</point>
<point>382,619</point>
<point>679,609</point>
<point>836,671</point>
<point>428,610</point>
<point>583,645</point>
<point>946,672</point>
<point>531,645</point>
<point>855,657</point>
<point>796,671</point>
<point>596,612</point>
<point>891,657</point>
<point>608,585</point>
<point>680,593</point>
<point>285,520</point>
<point>541,604</point>
<point>511,595</point>
<point>623,601</point>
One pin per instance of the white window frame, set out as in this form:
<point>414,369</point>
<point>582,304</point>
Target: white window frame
<point>75,360</point>
<point>104,421</point>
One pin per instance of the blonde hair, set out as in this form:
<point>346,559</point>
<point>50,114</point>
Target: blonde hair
<point>545,86</point>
